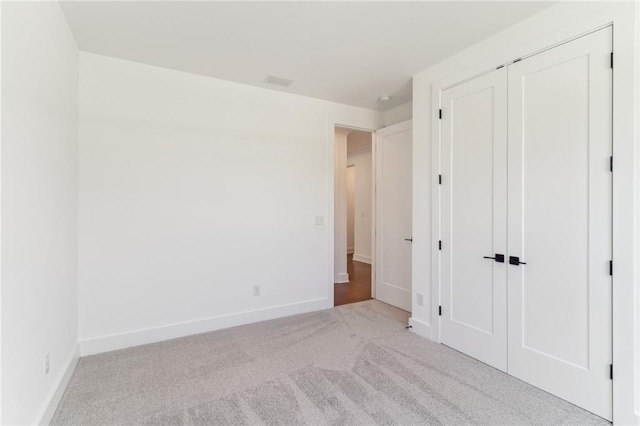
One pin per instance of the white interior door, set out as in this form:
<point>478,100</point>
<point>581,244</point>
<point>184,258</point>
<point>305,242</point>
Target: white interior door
<point>393,215</point>
<point>474,218</point>
<point>560,221</point>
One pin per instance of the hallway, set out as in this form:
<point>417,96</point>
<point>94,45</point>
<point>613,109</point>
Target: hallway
<point>358,288</point>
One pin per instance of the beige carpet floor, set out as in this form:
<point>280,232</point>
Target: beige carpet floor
<point>351,365</point>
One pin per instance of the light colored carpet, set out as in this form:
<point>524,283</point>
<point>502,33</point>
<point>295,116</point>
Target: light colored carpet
<point>354,364</point>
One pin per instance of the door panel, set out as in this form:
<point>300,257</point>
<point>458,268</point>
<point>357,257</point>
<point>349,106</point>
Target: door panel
<point>474,219</point>
<point>393,215</point>
<point>559,335</point>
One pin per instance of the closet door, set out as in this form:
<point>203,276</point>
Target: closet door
<point>560,221</point>
<point>474,190</point>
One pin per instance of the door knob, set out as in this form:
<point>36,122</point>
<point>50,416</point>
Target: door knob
<point>409,239</point>
<point>498,257</point>
<point>515,260</point>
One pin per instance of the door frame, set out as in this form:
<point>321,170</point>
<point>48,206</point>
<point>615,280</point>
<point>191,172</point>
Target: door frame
<point>625,244</point>
<point>331,213</point>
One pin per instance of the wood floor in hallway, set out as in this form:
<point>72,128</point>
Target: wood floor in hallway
<point>358,288</point>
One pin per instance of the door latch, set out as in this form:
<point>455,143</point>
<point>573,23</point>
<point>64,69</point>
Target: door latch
<point>515,260</point>
<point>498,257</point>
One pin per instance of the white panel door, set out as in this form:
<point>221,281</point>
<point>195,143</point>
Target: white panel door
<point>393,215</point>
<point>559,193</point>
<point>474,218</point>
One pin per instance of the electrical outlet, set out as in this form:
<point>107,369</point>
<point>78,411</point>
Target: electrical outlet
<point>257,290</point>
<point>46,364</point>
<point>420,299</point>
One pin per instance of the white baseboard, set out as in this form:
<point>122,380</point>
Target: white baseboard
<point>159,334</point>
<point>420,328</point>
<point>61,386</point>
<point>342,278</point>
<point>361,258</point>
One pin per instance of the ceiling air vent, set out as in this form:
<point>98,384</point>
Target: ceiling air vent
<point>278,81</point>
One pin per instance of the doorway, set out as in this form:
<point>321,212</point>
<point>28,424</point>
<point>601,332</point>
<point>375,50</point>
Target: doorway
<point>354,190</point>
<point>380,164</point>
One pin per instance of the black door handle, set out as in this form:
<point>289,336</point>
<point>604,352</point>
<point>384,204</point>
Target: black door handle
<point>498,257</point>
<point>409,239</point>
<point>515,260</point>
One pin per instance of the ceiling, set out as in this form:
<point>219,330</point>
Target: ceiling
<point>347,52</point>
<point>358,141</point>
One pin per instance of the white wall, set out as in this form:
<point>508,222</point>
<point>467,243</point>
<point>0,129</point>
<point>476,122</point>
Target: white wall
<point>363,209</point>
<point>192,191</point>
<point>351,200</point>
<point>39,207</point>
<point>397,114</point>
<point>1,117</point>
<point>551,26</point>
<point>636,353</point>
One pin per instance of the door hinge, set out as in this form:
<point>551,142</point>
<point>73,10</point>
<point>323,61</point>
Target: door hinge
<point>440,310</point>
<point>611,163</point>
<point>610,371</point>
<point>439,179</point>
<point>611,267</point>
<point>440,114</point>
<point>439,244</point>
<point>611,60</point>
